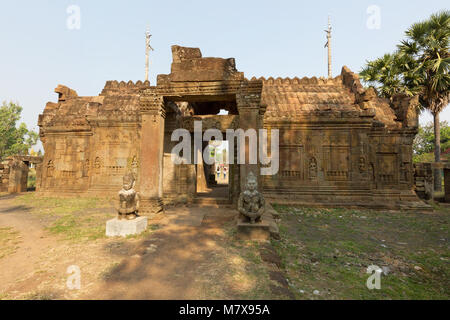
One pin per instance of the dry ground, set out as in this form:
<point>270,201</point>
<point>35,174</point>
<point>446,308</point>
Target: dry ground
<point>188,254</point>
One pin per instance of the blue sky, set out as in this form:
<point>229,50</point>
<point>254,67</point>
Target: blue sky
<point>268,38</point>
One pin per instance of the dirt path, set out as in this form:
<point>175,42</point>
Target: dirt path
<point>174,262</point>
<point>37,269</point>
<point>187,254</point>
<point>33,242</point>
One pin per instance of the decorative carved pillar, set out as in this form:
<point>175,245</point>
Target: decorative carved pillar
<point>248,101</point>
<point>151,157</point>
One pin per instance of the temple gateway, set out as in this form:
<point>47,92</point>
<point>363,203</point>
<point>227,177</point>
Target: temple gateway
<point>339,144</point>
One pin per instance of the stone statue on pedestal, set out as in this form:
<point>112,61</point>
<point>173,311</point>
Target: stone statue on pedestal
<point>128,199</point>
<point>251,202</point>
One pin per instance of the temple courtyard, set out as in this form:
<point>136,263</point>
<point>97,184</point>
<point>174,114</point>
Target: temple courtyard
<point>191,252</point>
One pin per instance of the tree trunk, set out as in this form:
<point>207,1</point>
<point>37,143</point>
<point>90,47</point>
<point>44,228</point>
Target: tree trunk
<point>437,152</point>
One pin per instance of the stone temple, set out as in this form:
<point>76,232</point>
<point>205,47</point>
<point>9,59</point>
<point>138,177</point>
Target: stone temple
<point>340,145</point>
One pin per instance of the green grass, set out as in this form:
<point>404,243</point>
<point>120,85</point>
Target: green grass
<point>9,239</point>
<point>109,271</point>
<point>75,219</point>
<point>3,296</point>
<point>31,181</point>
<point>330,249</point>
<point>57,206</point>
<point>38,295</point>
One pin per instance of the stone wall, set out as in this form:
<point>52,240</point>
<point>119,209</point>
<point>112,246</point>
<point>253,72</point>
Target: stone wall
<point>14,173</point>
<point>4,176</point>
<point>340,144</point>
<point>423,180</point>
<point>91,142</point>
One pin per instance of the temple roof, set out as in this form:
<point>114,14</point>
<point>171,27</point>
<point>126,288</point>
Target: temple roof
<point>344,94</point>
<point>285,99</point>
<point>294,96</point>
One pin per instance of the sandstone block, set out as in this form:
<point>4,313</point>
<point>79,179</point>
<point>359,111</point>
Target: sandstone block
<point>256,231</point>
<point>123,228</point>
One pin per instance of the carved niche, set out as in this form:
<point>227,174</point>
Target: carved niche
<point>387,168</point>
<point>292,157</point>
<point>50,169</point>
<point>86,168</point>
<point>336,153</point>
<point>312,169</point>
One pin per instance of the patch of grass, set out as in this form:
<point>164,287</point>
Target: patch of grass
<point>4,296</point>
<point>74,219</point>
<point>9,240</point>
<point>44,295</point>
<point>109,271</point>
<point>31,181</point>
<point>59,206</point>
<point>330,249</point>
<point>154,227</point>
<point>77,227</point>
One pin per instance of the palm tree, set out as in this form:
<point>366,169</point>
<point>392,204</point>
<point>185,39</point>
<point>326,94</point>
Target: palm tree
<point>420,66</point>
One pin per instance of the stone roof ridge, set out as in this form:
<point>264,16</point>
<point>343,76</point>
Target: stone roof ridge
<point>303,81</point>
<point>114,86</point>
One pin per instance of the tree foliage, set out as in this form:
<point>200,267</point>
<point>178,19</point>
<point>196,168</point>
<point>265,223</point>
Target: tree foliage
<point>425,139</point>
<point>419,66</point>
<point>14,139</point>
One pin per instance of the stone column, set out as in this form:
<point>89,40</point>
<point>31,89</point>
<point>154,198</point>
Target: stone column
<point>18,176</point>
<point>151,155</point>
<point>248,101</point>
<point>447,183</point>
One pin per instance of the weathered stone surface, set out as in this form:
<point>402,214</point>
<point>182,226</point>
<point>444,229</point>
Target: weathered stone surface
<point>339,143</point>
<point>423,177</point>
<point>14,173</point>
<point>253,231</point>
<point>180,54</point>
<point>251,203</point>
<point>123,228</point>
<point>188,65</point>
<point>129,199</point>
<point>447,184</point>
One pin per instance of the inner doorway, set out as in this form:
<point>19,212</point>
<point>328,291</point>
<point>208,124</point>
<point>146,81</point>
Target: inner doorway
<point>213,175</point>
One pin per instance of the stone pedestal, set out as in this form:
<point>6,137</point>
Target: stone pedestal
<point>257,231</point>
<point>123,228</point>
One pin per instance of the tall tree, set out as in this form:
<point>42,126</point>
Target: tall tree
<point>420,66</point>
<point>424,142</point>
<point>14,139</point>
